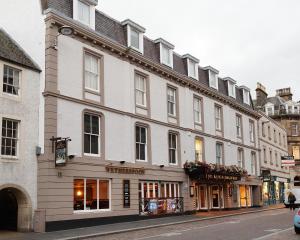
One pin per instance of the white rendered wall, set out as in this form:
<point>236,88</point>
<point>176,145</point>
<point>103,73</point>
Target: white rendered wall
<point>24,22</point>
<point>23,170</point>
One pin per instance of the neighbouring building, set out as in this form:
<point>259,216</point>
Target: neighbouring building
<point>273,146</point>
<point>19,120</point>
<point>124,115</point>
<point>284,110</point>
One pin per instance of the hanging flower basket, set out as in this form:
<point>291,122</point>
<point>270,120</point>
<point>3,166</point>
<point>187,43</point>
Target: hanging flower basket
<point>196,170</point>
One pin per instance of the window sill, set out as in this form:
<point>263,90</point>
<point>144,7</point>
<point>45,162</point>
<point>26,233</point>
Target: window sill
<point>92,91</point>
<point>91,211</point>
<point>91,155</point>
<point>141,106</point>
<point>9,159</point>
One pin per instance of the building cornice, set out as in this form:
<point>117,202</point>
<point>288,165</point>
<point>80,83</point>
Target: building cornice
<point>128,54</point>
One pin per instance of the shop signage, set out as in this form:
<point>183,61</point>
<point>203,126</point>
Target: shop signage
<point>287,161</point>
<point>126,193</point>
<point>283,180</point>
<point>61,149</point>
<point>125,170</point>
<point>266,175</point>
<point>221,177</point>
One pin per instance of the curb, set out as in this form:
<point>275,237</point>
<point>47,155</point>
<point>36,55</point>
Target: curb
<point>163,225</point>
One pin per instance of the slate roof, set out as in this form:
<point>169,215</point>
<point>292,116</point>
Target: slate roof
<point>11,51</point>
<point>114,30</point>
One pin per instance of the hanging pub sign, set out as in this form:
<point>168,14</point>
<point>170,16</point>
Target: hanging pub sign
<point>287,161</point>
<point>266,175</point>
<point>60,149</point>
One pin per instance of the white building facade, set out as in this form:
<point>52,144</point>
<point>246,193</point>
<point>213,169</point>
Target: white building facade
<point>19,98</point>
<point>136,112</point>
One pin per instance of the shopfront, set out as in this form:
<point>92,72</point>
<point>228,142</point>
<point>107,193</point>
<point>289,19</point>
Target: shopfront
<point>157,198</point>
<point>273,188</point>
<point>213,187</point>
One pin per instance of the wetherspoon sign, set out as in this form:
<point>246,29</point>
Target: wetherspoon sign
<point>125,170</point>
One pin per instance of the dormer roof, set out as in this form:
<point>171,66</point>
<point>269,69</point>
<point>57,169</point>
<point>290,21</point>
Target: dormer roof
<point>164,42</point>
<point>194,59</point>
<point>211,69</point>
<point>229,79</point>
<point>134,25</point>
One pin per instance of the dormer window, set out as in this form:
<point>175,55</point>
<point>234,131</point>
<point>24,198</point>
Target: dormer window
<point>135,35</point>
<point>84,12</point>
<point>213,77</point>
<point>192,66</point>
<point>166,52</point>
<point>246,95</point>
<point>231,87</point>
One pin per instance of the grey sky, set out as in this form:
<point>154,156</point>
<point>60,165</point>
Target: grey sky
<point>248,40</point>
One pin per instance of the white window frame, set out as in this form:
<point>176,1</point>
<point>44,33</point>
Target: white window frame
<point>239,126</point>
<point>84,202</point>
<point>140,37</point>
<point>171,102</point>
<point>251,131</point>
<point>218,118</point>
<point>213,80</point>
<point>253,164</point>
<point>192,65</point>
<point>240,157</point>
<point>99,136</point>
<point>231,89</point>
<point>92,11</point>
<point>170,52</point>
<point>90,72</point>
<point>173,149</point>
<point>18,86</point>
<point>199,153</point>
<point>140,143</point>
<point>88,7</point>
<point>143,92</point>
<point>221,162</point>
<point>246,96</point>
<point>17,139</point>
<point>197,107</point>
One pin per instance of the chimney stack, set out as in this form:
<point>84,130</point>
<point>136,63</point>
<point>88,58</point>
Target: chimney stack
<point>285,93</point>
<point>261,95</point>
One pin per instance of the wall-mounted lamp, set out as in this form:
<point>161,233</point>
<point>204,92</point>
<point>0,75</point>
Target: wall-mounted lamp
<point>64,30</point>
<point>122,162</point>
<point>71,157</point>
<point>162,166</point>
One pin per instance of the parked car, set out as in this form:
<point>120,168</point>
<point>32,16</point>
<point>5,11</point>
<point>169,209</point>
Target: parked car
<point>297,221</point>
<point>296,192</point>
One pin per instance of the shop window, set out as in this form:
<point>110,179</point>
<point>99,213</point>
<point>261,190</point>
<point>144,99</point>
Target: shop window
<point>91,194</point>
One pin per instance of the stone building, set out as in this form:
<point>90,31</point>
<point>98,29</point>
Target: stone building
<point>19,104</point>
<point>136,111</point>
<point>286,111</point>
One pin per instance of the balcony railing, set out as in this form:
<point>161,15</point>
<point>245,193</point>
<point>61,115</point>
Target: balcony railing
<point>161,206</point>
<point>284,112</point>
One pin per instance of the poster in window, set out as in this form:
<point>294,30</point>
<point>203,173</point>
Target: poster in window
<point>126,193</point>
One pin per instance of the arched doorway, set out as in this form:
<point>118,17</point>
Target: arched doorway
<point>8,210</point>
<point>15,209</point>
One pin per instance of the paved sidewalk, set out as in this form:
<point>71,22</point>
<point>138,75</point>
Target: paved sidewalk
<point>82,233</point>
